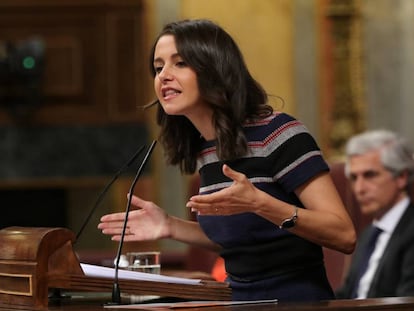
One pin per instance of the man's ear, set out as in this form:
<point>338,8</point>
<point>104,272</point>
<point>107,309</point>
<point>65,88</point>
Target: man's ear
<point>402,179</point>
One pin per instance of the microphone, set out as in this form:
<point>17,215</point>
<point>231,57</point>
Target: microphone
<point>116,291</point>
<point>105,190</point>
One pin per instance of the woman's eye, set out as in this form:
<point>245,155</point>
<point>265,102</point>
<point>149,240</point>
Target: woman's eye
<point>157,69</point>
<point>181,64</point>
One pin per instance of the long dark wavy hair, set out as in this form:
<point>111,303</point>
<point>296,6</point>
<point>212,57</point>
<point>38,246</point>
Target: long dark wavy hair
<point>224,83</point>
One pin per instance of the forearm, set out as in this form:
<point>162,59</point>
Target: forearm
<point>324,221</point>
<point>317,226</point>
<point>190,232</point>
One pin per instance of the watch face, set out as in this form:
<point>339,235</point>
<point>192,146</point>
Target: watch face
<point>288,224</point>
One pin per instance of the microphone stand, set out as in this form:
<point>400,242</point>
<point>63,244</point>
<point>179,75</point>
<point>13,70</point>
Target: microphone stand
<point>116,291</point>
<point>105,190</point>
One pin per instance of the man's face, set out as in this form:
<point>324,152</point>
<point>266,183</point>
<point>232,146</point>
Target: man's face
<point>375,188</point>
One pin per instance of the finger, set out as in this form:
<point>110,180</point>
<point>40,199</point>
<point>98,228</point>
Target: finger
<point>140,203</point>
<point>205,198</point>
<point>232,174</point>
<point>211,211</point>
<point>113,217</point>
<point>112,231</point>
<point>198,205</point>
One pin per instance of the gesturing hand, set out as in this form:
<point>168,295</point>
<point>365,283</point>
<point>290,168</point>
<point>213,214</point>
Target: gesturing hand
<point>148,222</point>
<point>242,196</point>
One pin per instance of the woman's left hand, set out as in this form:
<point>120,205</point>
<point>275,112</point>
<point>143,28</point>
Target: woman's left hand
<point>242,196</point>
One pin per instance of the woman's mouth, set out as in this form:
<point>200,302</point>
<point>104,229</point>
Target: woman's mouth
<point>170,93</point>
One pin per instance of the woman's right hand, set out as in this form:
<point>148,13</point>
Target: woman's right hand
<point>147,222</point>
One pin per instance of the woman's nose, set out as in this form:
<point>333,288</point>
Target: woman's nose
<point>165,74</point>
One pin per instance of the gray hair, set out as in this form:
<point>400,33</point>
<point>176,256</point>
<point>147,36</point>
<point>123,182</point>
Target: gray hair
<point>396,154</point>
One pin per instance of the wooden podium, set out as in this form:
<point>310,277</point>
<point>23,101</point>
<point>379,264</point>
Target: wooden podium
<point>34,261</point>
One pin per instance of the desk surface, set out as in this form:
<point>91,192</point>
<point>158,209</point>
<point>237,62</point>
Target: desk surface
<point>378,304</point>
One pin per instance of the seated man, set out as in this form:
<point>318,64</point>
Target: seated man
<point>380,167</point>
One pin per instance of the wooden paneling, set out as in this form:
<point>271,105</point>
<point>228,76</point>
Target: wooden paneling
<point>95,71</point>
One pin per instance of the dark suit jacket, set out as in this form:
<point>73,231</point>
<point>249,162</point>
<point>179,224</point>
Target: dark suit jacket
<point>395,273</point>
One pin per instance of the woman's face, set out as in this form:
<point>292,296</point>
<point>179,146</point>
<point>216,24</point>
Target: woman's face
<point>175,83</point>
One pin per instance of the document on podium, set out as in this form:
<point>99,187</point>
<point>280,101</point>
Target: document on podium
<point>105,272</point>
<point>190,304</point>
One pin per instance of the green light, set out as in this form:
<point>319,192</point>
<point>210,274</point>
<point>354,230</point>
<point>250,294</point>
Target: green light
<point>28,62</point>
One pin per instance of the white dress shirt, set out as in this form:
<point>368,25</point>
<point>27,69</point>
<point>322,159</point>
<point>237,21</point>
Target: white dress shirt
<point>387,224</point>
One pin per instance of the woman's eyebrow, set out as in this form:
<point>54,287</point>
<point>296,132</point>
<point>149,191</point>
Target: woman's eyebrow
<point>173,56</point>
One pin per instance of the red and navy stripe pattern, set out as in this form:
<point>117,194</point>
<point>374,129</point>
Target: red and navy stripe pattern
<point>281,150</point>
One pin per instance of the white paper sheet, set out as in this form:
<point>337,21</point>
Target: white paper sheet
<point>189,304</point>
<point>105,272</point>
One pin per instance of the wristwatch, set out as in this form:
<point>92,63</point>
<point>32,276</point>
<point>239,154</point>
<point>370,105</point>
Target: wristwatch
<point>290,222</point>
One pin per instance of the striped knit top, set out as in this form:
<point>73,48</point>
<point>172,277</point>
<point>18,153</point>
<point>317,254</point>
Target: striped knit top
<point>282,155</point>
